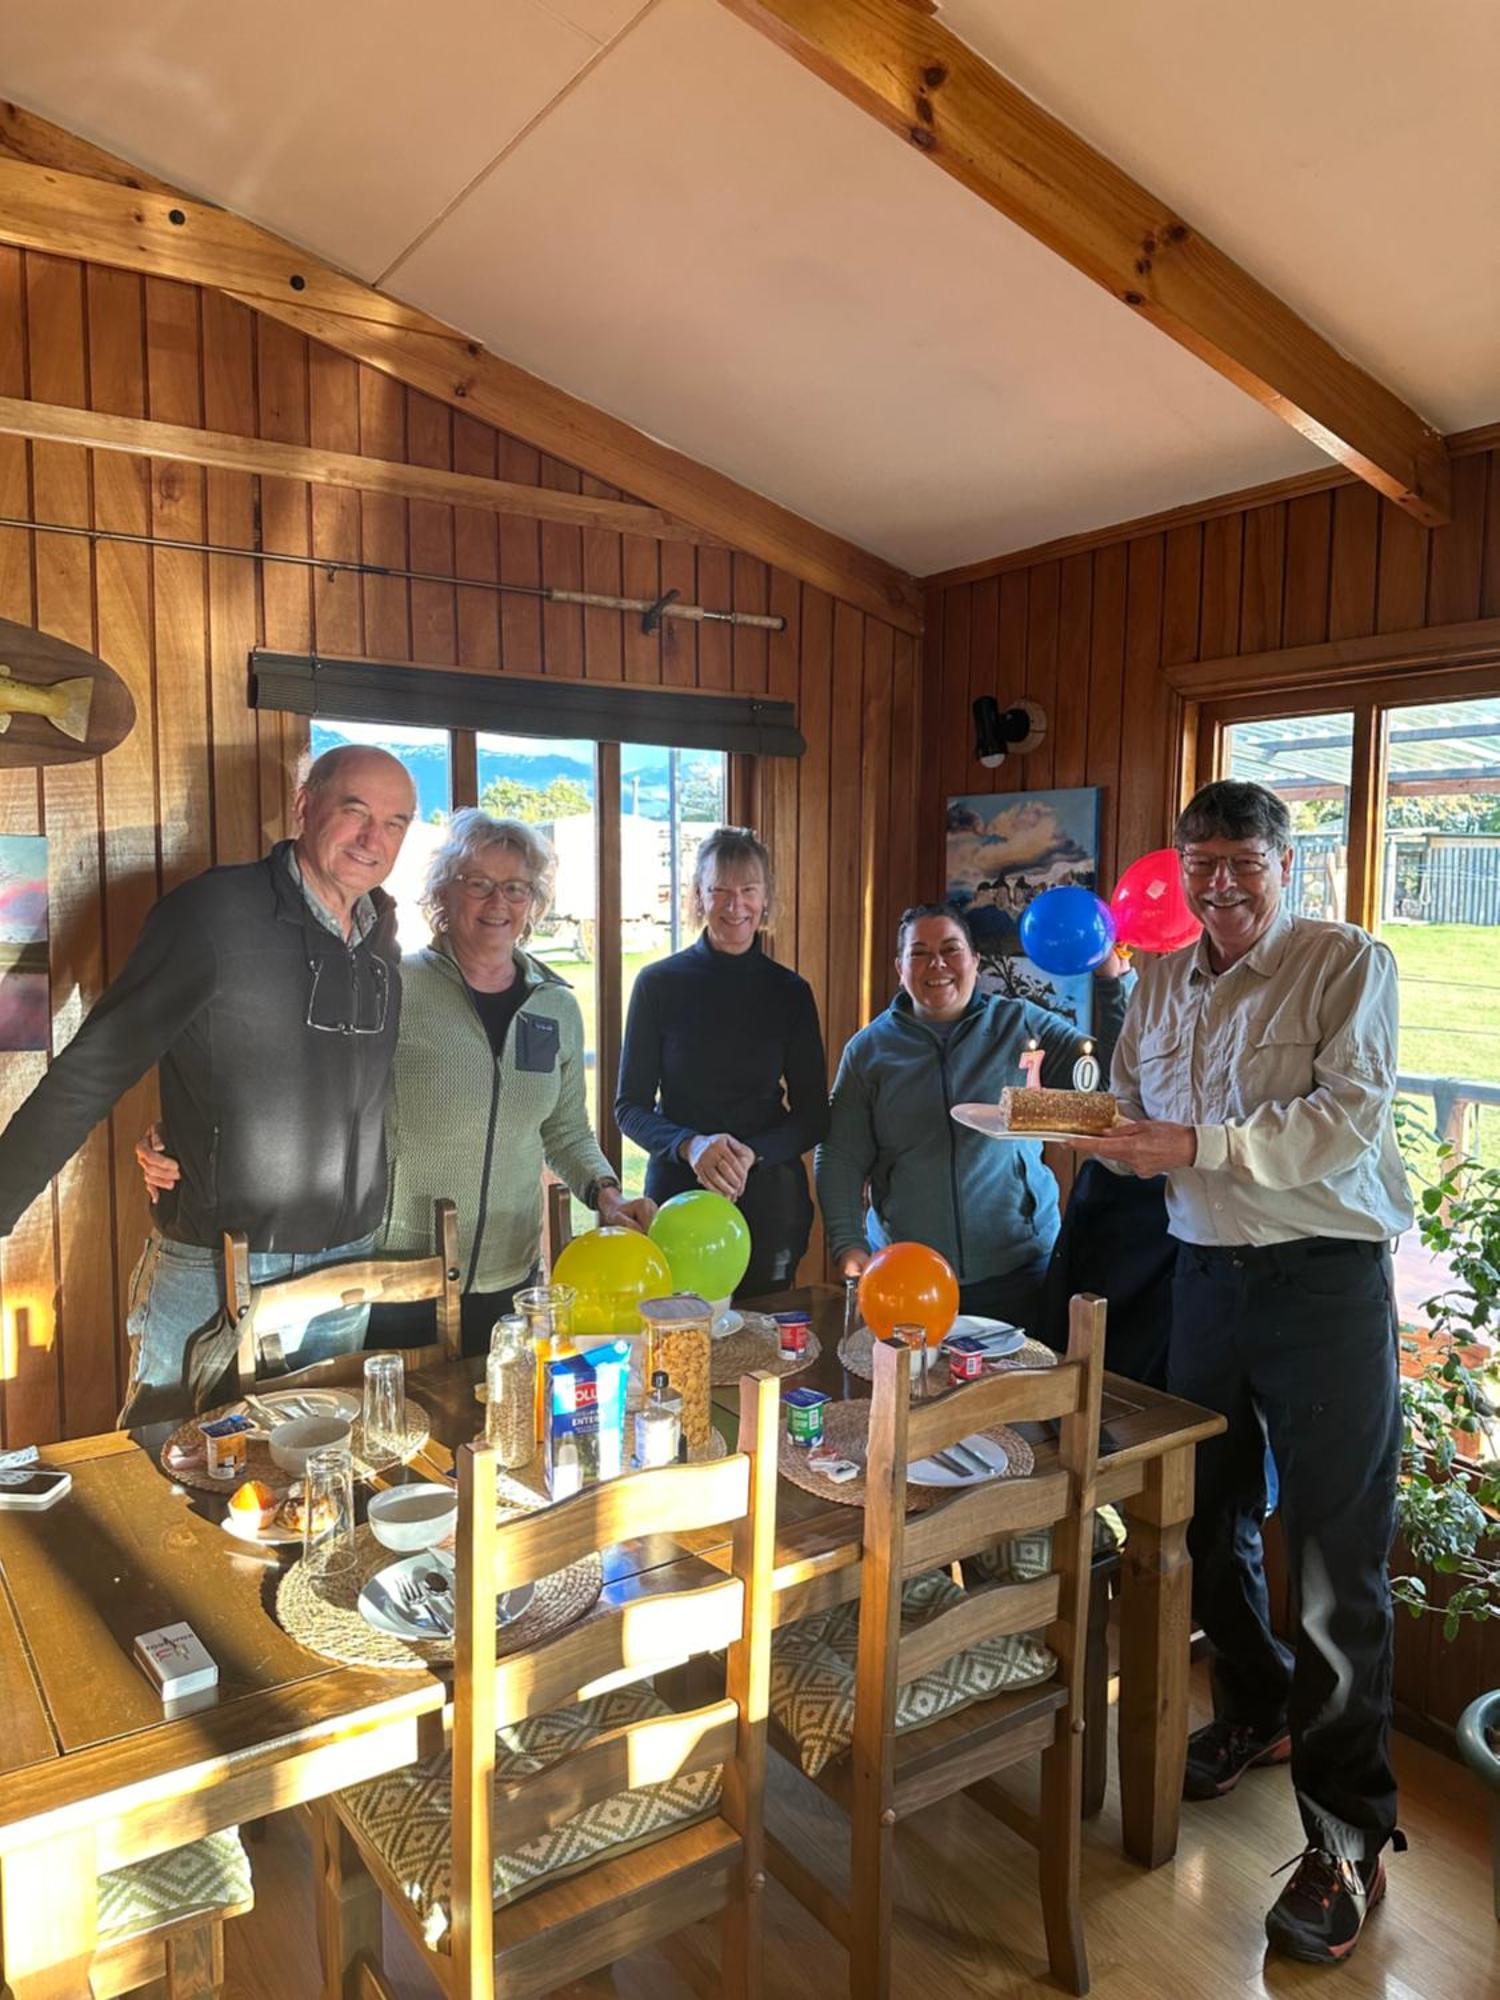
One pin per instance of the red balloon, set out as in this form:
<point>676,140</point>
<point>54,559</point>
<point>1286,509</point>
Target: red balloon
<point>906,1284</point>
<point>1148,906</point>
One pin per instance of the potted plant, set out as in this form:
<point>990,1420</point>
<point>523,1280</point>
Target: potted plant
<point>1448,1498</point>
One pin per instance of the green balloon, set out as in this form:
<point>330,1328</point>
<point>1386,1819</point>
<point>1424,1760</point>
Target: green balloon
<point>706,1241</point>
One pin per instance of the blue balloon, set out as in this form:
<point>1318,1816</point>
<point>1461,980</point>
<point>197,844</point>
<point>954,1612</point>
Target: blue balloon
<point>1067,931</point>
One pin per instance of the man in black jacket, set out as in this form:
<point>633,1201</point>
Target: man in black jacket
<point>269,995</point>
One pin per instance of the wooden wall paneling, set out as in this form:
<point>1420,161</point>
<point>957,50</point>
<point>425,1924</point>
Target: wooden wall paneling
<point>520,562</point>
<point>333,425</point>
<point>715,593</point>
<point>1010,670</point>
<point>956,744</point>
<point>845,888</point>
<point>1223,563</point>
<point>155,783</point>
<point>778,776</point>
<point>1106,695</point>
<point>285,588</point>
<point>1040,764</point>
<point>28,1256</point>
<point>476,551</point>
<point>65,607</point>
<point>1182,594</point>
<point>383,520</point>
<point>562,569</point>
<point>875,856</point>
<point>814,913</point>
<point>1354,555</point>
<point>603,571</point>
<point>941,719</point>
<point>679,636</point>
<point>434,607</point>
<point>1489,592</point>
<point>1070,722</point>
<point>1309,522</point>
<point>1457,551</point>
<point>908,843</point>
<point>984,672</point>
<point>233,586</point>
<point>1262,579</point>
<point>749,643</point>
<point>1401,588</point>
<point>640,576</point>
<point>1145,755</point>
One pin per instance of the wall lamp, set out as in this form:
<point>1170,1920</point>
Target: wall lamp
<point>1000,732</point>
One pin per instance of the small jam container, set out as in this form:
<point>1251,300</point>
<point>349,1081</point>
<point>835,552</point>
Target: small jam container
<point>227,1446</point>
<point>793,1330</point>
<point>804,1415</point>
<point>966,1358</point>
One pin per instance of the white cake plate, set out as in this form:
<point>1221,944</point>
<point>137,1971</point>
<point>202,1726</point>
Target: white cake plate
<point>985,1118</point>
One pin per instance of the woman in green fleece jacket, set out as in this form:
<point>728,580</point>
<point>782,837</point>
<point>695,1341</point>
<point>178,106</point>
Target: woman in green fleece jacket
<point>487,1086</point>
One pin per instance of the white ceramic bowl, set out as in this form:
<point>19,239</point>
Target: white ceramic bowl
<point>407,1518</point>
<point>292,1444</point>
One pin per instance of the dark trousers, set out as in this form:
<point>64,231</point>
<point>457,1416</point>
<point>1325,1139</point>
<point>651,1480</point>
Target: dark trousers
<point>775,1204</point>
<point>1015,1297</point>
<point>1296,1342</point>
<point>415,1325</point>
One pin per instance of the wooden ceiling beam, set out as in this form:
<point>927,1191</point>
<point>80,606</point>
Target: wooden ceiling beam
<point>914,75</point>
<point>227,451</point>
<point>102,219</point>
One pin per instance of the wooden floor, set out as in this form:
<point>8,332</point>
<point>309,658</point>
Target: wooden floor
<point>967,1921</point>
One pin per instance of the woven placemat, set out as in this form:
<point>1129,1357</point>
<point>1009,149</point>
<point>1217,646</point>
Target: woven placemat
<point>756,1346</point>
<point>846,1426</point>
<point>259,1463</point>
<point>322,1612</point>
<point>857,1354</point>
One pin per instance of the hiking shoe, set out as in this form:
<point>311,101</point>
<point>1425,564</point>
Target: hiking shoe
<point>1320,1913</point>
<point>1220,1754</point>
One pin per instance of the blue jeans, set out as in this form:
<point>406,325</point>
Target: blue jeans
<point>177,1289</point>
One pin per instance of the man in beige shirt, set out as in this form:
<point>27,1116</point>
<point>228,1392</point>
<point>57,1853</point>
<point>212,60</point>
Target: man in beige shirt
<point>1257,1070</point>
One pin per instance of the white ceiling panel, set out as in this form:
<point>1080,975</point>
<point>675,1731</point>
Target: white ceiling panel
<point>705,239</point>
<point>346,125</point>
<point>1344,151</point>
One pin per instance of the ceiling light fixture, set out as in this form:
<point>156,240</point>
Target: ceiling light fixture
<point>999,732</point>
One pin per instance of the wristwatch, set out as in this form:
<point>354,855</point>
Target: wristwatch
<point>596,1187</point>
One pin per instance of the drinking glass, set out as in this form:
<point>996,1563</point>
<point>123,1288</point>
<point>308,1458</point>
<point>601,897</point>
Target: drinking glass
<point>328,1514</point>
<point>548,1312</point>
<point>385,1408</point>
<point>915,1337</point>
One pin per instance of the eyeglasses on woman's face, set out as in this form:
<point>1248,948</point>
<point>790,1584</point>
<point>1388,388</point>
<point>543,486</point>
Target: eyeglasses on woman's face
<point>479,888</point>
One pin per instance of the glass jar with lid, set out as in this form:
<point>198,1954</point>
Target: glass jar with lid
<point>678,1340</point>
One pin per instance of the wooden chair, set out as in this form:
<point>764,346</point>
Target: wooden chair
<point>559,1227</point>
<point>291,1302</point>
<point>689,1855</point>
<point>889,1770</point>
<point>172,1910</point>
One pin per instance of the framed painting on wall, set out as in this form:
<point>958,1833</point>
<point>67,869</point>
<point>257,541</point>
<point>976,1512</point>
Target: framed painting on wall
<point>1004,849</point>
<point>25,1010</point>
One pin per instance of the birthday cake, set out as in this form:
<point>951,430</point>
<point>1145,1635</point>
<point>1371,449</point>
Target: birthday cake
<point>1091,1111</point>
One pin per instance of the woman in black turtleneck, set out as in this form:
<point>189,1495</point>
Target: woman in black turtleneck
<point>722,1076</point>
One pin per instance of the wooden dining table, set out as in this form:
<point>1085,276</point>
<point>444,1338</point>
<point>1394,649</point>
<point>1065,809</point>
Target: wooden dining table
<point>94,1775</point>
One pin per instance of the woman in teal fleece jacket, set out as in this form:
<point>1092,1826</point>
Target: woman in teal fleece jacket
<point>990,1208</point>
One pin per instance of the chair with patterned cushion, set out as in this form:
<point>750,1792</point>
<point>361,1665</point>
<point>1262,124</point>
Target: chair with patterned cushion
<point>576,1816</point>
<point>165,1918</point>
<point>924,1688</point>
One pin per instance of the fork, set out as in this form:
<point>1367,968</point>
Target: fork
<point>420,1608</point>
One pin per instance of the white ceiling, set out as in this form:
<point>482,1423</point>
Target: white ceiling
<point>645,202</point>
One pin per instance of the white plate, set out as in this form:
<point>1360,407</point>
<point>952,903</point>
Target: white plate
<point>999,1336</point>
<point>273,1537</point>
<point>391,1620</point>
<point>985,1118</point>
<point>927,1471</point>
<point>342,1405</point>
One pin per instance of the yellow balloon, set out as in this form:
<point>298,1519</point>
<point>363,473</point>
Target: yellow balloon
<point>611,1271</point>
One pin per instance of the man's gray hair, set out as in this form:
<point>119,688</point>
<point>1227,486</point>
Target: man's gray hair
<point>471,833</point>
<point>1234,809</point>
<point>732,847</point>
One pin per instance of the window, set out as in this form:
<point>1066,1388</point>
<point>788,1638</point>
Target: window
<point>1308,762</point>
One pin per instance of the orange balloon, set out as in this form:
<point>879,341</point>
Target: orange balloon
<point>906,1284</point>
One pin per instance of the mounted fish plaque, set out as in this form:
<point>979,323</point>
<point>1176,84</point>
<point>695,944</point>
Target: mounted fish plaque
<point>57,703</point>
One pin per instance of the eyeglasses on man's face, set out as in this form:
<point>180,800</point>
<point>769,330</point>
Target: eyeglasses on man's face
<point>1243,867</point>
<point>481,887</point>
